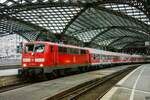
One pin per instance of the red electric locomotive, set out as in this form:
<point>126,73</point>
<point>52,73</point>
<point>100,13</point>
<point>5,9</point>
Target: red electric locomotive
<point>45,57</point>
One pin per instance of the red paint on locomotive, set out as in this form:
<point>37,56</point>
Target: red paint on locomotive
<point>53,55</point>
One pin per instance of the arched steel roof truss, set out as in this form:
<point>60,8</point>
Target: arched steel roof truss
<point>92,23</point>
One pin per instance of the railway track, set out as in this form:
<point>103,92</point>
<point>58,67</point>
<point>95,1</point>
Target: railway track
<point>79,91</point>
<point>94,89</point>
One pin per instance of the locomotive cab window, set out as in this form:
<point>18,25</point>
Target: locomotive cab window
<point>34,48</point>
<point>29,48</point>
<point>39,48</point>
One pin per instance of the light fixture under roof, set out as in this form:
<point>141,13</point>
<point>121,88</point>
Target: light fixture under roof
<point>2,1</point>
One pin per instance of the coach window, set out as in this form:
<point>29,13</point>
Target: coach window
<point>94,56</point>
<point>104,57</point>
<point>99,56</point>
<point>108,57</point>
<point>115,57</point>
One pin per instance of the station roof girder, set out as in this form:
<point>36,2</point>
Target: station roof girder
<point>105,23</point>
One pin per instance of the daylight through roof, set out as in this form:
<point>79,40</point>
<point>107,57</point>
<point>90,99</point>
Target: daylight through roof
<point>106,24</point>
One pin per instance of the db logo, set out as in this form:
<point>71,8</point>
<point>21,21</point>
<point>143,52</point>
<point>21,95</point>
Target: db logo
<point>32,60</point>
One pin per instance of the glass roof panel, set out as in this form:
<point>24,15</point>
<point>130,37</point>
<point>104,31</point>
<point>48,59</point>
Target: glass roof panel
<point>74,18</point>
<point>128,10</point>
<point>54,19</point>
<point>105,42</point>
<point>88,35</point>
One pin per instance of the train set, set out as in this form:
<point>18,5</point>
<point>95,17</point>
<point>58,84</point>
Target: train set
<point>46,57</point>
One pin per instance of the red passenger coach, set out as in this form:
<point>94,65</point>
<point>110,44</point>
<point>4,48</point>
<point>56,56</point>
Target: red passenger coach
<point>46,57</point>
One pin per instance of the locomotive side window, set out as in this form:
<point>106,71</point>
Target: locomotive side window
<point>96,56</point>
<point>29,48</point>
<point>73,51</point>
<point>67,50</point>
<point>64,50</point>
<point>60,49</point>
<point>83,52</point>
<point>76,51</point>
<point>39,48</point>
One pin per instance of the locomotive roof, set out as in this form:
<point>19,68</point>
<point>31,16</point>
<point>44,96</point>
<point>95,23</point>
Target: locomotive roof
<point>59,44</point>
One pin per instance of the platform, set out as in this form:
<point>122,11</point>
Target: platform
<point>6,67</point>
<point>9,62</point>
<point>8,72</point>
<point>135,86</point>
<point>42,90</point>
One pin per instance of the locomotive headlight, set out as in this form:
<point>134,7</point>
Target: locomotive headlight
<point>41,65</point>
<point>26,59</point>
<point>39,59</point>
<point>24,65</point>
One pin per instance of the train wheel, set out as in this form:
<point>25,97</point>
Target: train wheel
<point>49,76</point>
<point>55,74</point>
<point>67,71</point>
<point>82,69</point>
